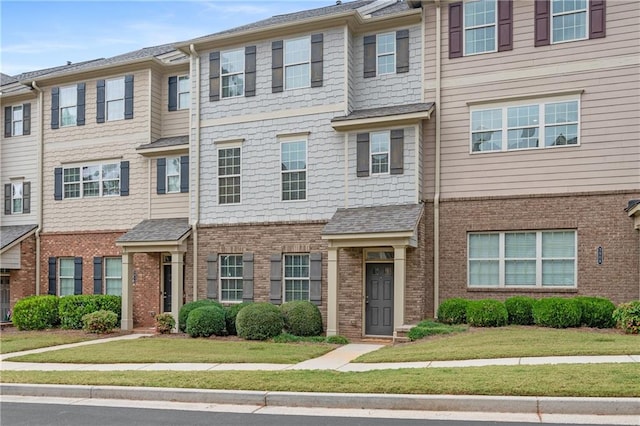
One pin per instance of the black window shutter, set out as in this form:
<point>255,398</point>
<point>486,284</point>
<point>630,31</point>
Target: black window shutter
<point>100,101</point>
<point>250,71</point>
<point>212,276</point>
<point>542,28</point>
<point>184,173</point>
<point>455,30</point>
<point>316,60</point>
<point>277,70</point>
<point>80,107</point>
<point>97,275</point>
<point>275,292</point>
<point>402,51</point>
<point>128,97</point>
<point>8,115</point>
<point>315,278</point>
<point>26,119</point>
<point>77,275</point>
<point>7,198</point>
<point>214,76</point>
<point>370,56</point>
<point>597,18</point>
<point>173,93</point>
<point>362,154</point>
<point>26,197</point>
<point>52,276</point>
<point>397,152</point>
<point>161,178</point>
<point>505,25</point>
<point>57,179</point>
<point>247,277</point>
<point>55,108</point>
<point>124,178</point>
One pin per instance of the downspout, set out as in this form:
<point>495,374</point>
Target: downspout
<point>40,177</point>
<point>195,160</point>
<point>436,196</point>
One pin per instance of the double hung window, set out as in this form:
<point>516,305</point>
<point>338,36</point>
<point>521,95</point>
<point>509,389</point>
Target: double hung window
<point>114,95</point>
<point>113,275</point>
<point>232,72</point>
<point>229,175</point>
<point>296,277</point>
<point>480,26</point>
<point>66,276</point>
<point>68,106</point>
<point>294,170</point>
<point>231,278</point>
<point>297,63</point>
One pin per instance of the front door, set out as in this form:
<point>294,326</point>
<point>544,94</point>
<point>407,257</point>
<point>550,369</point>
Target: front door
<point>5,299</point>
<point>379,299</point>
<point>166,292</point>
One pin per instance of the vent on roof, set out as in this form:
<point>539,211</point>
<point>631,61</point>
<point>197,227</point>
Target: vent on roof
<point>68,62</point>
<point>338,2</point>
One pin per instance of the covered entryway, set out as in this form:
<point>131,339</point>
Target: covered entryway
<point>379,299</point>
<point>5,297</point>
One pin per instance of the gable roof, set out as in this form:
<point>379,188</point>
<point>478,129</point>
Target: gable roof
<point>154,230</point>
<point>12,234</point>
<point>378,219</point>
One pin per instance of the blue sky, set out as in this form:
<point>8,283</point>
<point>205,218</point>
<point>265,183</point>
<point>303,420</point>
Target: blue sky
<point>42,34</point>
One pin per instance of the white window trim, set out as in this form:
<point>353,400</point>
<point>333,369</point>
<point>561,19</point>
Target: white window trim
<point>284,277</point>
<point>107,278</point>
<point>167,175</point>
<point>221,278</point>
<point>285,64</point>
<point>388,152</point>
<point>501,261</point>
<point>306,168</point>
<point>464,31</point>
<point>180,106</point>
<point>394,54</point>
<point>75,105</point>
<point>107,100</point>
<point>21,198</point>
<point>222,148</point>
<point>541,102</point>
<point>100,181</point>
<point>222,75</point>
<point>13,122</point>
<point>553,15</point>
<point>60,277</point>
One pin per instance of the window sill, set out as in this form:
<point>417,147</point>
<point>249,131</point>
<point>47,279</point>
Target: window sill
<point>522,289</point>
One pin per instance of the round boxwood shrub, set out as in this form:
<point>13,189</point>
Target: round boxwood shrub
<point>99,322</point>
<point>183,314</point>
<point>453,311</point>
<point>556,312</point>
<point>596,311</point>
<point>259,321</point>
<point>231,312</point>
<point>36,313</point>
<point>520,310</point>
<point>487,313</point>
<point>301,318</point>
<point>206,321</point>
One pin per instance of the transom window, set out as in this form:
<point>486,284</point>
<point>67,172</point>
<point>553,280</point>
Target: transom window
<point>296,277</point>
<point>569,20</point>
<point>522,126</point>
<point>113,275</point>
<point>231,278</point>
<point>17,119</point>
<point>522,259</point>
<point>232,73</point>
<point>16,197</point>
<point>229,175</point>
<point>184,92</point>
<point>95,180</point>
<point>68,106</point>
<point>380,142</point>
<point>297,63</point>
<point>294,170</point>
<point>173,174</point>
<point>66,270</point>
<point>386,53</point>
<point>479,26</point>
<point>114,96</point>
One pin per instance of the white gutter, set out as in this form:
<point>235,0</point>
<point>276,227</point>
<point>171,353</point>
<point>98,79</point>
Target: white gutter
<point>194,191</point>
<point>436,196</point>
<point>40,177</point>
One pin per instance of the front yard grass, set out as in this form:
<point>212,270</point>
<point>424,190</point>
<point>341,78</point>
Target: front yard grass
<point>171,350</point>
<point>510,342</point>
<point>12,340</point>
<point>578,380</point>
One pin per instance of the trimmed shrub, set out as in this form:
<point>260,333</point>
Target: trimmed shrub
<point>487,313</point>
<point>596,311</point>
<point>206,321</point>
<point>109,302</point>
<point>301,318</point>
<point>231,312</point>
<point>453,311</point>
<point>73,307</point>
<point>183,315</point>
<point>556,312</point>
<point>520,310</point>
<point>100,322</point>
<point>259,321</point>
<point>430,328</point>
<point>337,340</point>
<point>290,338</point>
<point>36,313</point>
<point>627,317</point>
<point>165,323</point>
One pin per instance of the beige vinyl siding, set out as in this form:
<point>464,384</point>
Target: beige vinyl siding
<point>157,107</point>
<point>174,123</point>
<point>10,259</point>
<point>165,206</point>
<point>606,70</point>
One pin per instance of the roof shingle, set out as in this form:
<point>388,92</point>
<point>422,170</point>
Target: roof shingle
<point>10,234</point>
<point>151,230</point>
<point>378,219</point>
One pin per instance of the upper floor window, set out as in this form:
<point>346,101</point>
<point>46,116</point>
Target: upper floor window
<point>173,174</point>
<point>68,106</point>
<point>114,96</point>
<point>232,73</point>
<point>525,125</point>
<point>296,277</point>
<point>184,92</point>
<point>569,20</point>
<point>479,26</point>
<point>293,157</point>
<point>17,198</point>
<point>380,148</point>
<point>17,120</point>
<point>379,153</point>
<point>559,21</point>
<point>386,53</point>
<point>297,61</point>
<point>229,174</point>
<point>96,180</point>
<point>231,271</point>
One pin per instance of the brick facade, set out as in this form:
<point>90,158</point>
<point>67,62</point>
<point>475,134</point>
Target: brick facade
<point>22,282</point>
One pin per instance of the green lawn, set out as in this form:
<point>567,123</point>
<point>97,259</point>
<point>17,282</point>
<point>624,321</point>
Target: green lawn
<point>14,341</point>
<point>170,349</point>
<point>586,380</point>
<point>509,342</point>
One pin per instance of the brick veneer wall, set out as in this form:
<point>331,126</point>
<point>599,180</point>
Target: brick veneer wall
<point>599,219</point>
<point>22,282</point>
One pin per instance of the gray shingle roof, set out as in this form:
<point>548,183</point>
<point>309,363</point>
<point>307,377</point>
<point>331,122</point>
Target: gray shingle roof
<point>631,205</point>
<point>157,230</point>
<point>400,6</point>
<point>366,220</point>
<point>10,234</point>
<point>6,79</point>
<point>385,111</point>
<point>166,142</point>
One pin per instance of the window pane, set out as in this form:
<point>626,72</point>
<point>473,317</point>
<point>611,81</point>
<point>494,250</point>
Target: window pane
<point>184,99</point>
<point>114,89</point>
<point>379,163</point>
<point>386,64</point>
<point>480,40</point>
<point>560,6</point>
<point>486,134</point>
<point>17,113</point>
<point>232,62</point>
<point>483,272</point>
<point>297,76</point>
<point>484,246</point>
<point>479,12</point>
<point>91,181</point>
<point>570,27</point>
<point>115,110</point>
<point>294,155</point>
<point>520,272</point>
<point>68,116</point>
<point>558,272</point>
<point>386,43</point>
<point>183,84</point>
<point>520,245</point>
<point>173,183</point>
<point>68,97</point>
<point>173,166</point>
<point>294,186</point>
<point>558,244</point>
<point>297,51</point>
<point>561,112</point>
<point>561,135</point>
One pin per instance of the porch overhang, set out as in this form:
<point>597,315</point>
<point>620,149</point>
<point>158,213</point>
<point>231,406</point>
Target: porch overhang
<point>633,210</point>
<point>11,236</point>
<point>165,146</point>
<point>390,116</point>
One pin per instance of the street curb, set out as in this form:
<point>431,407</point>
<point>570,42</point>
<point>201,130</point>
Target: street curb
<point>460,403</point>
